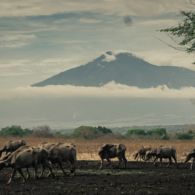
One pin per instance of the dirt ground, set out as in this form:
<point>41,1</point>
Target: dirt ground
<point>138,178</point>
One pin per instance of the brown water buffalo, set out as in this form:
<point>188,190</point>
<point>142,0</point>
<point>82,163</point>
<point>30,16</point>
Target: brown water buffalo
<point>26,157</point>
<point>11,146</point>
<point>141,153</point>
<point>108,151</point>
<point>60,153</point>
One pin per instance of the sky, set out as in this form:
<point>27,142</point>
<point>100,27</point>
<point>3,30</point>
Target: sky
<point>40,38</point>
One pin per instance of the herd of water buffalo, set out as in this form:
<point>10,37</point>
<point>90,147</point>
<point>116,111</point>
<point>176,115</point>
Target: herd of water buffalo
<point>19,156</point>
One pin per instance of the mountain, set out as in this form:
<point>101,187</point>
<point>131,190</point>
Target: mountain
<point>123,68</point>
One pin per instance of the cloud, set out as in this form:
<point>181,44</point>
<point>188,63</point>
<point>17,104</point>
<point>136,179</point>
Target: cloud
<point>122,7</point>
<point>168,57</point>
<point>111,89</point>
<point>89,21</point>
<point>16,40</point>
<point>159,22</point>
<point>155,7</point>
<point>32,67</point>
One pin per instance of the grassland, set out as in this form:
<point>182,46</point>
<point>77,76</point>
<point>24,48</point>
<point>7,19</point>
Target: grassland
<point>87,149</point>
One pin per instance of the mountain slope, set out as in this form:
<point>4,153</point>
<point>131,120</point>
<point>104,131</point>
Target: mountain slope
<point>122,68</point>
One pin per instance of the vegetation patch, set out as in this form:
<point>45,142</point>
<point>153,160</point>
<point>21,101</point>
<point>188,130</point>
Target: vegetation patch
<point>159,133</point>
<point>89,132</point>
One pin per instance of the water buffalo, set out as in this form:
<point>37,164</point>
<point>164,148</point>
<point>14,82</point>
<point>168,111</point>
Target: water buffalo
<point>190,156</point>
<point>26,157</point>
<point>151,154</point>
<point>108,151</point>
<point>48,145</point>
<point>141,153</point>
<point>162,153</point>
<point>11,146</point>
<point>60,153</point>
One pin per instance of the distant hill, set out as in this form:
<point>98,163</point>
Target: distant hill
<point>123,68</point>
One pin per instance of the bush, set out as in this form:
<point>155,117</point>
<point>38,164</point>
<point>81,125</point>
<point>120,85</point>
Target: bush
<point>165,137</point>
<point>103,130</point>
<point>136,133</point>
<point>42,131</point>
<point>58,134</point>
<point>158,133</point>
<point>88,132</point>
<point>184,136</point>
<point>15,131</point>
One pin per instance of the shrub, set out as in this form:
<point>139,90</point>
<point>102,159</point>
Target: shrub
<point>136,133</point>
<point>184,136</point>
<point>103,130</point>
<point>165,137</point>
<point>158,133</point>
<point>42,131</point>
<point>15,130</point>
<point>88,132</point>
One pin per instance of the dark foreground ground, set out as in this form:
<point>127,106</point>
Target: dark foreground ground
<point>138,178</point>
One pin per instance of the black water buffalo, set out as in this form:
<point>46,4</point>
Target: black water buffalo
<point>162,153</point>
<point>190,156</point>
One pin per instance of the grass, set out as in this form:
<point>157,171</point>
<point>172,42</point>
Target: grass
<point>88,149</point>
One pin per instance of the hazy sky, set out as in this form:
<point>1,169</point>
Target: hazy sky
<point>39,38</point>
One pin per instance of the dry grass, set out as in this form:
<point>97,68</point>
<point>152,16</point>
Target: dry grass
<point>87,149</point>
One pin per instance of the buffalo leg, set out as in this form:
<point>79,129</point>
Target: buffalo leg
<point>72,170</point>
<point>12,176</point>
<point>21,173</point>
<point>28,173</point>
<point>175,159</point>
<point>193,160</point>
<point>35,172</point>
<point>155,160</point>
<point>49,166</point>
<point>119,161</point>
<point>50,171</point>
<point>101,164</point>
<point>1,151</point>
<point>170,161</point>
<point>161,161</point>
<point>61,167</point>
<point>109,162</point>
<point>42,170</point>
<point>125,161</point>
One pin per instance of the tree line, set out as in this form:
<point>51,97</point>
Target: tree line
<point>90,132</point>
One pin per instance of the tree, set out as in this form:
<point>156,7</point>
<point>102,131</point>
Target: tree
<point>42,131</point>
<point>15,130</point>
<point>136,133</point>
<point>185,32</point>
<point>89,132</point>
